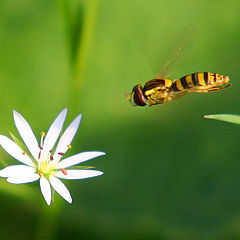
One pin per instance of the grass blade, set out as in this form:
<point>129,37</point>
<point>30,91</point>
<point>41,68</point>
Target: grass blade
<point>225,117</point>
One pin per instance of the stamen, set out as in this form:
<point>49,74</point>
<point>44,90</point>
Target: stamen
<point>51,151</point>
<point>40,174</point>
<point>64,171</point>
<point>39,155</point>
<point>51,158</point>
<point>24,153</point>
<point>61,153</point>
<point>42,136</point>
<point>40,147</point>
<point>69,146</point>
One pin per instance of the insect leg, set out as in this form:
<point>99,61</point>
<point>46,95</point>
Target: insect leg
<point>151,101</point>
<point>210,89</point>
<point>179,94</point>
<point>219,88</point>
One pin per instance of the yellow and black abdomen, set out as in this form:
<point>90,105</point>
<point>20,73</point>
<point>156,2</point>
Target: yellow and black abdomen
<point>199,81</point>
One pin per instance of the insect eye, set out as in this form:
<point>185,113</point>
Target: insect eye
<point>138,97</point>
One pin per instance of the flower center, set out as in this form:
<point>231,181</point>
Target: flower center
<point>46,165</point>
<point>45,169</point>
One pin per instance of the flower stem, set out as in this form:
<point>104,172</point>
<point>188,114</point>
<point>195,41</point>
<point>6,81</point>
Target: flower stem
<point>48,222</point>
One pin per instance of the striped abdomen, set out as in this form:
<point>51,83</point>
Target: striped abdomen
<point>201,80</point>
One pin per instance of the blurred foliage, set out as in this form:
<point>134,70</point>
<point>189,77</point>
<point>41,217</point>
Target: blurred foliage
<point>169,174</point>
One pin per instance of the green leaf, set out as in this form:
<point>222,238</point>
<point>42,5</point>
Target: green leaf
<point>225,117</point>
<point>18,142</point>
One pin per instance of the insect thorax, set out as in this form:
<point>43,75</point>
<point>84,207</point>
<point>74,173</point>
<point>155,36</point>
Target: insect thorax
<point>157,90</point>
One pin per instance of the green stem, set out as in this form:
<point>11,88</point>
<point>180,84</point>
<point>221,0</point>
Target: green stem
<point>82,53</point>
<point>79,30</point>
<point>48,222</point>
<point>84,43</point>
<point>64,8</point>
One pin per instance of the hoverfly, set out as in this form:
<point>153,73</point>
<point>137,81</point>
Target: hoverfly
<point>161,90</point>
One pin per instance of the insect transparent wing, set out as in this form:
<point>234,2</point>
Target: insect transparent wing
<point>176,53</point>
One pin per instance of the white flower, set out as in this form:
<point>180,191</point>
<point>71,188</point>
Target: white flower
<point>44,164</point>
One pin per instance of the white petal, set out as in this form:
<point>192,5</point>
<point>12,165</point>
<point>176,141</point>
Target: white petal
<point>78,174</point>
<point>46,190</point>
<point>78,158</point>
<point>54,132</point>
<point>23,178</point>
<point>16,170</point>
<point>67,138</point>
<point>15,151</point>
<point>60,188</point>
<point>26,134</point>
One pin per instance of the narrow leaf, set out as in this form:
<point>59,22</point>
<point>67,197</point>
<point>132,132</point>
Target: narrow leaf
<point>225,117</point>
<point>18,142</point>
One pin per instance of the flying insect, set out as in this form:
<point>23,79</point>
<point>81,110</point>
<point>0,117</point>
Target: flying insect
<point>161,90</point>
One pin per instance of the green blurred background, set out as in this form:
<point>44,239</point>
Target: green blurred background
<point>169,173</point>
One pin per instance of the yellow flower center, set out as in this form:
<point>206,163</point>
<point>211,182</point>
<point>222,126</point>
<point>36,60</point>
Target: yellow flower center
<point>45,169</point>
